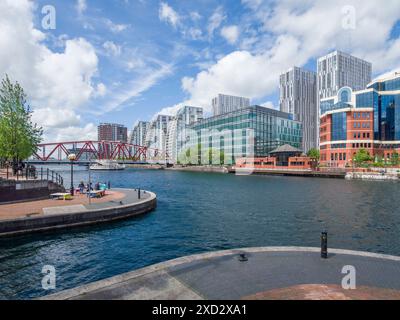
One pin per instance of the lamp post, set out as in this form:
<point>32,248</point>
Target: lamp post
<point>72,158</point>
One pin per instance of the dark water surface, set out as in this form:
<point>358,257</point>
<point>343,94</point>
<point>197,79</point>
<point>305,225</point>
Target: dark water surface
<point>200,212</point>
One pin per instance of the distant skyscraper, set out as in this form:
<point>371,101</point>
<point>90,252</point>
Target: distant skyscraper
<point>338,69</point>
<point>298,96</point>
<point>224,104</point>
<point>112,132</point>
<point>138,134</point>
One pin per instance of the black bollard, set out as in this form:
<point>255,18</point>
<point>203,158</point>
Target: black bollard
<point>324,245</point>
<point>243,257</point>
<point>138,193</point>
<point>109,185</point>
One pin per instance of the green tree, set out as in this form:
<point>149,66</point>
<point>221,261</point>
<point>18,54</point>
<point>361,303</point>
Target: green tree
<point>19,136</point>
<point>313,153</point>
<point>361,157</point>
<point>395,158</point>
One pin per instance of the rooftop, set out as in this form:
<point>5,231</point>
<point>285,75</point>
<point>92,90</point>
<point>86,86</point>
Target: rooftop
<point>286,148</point>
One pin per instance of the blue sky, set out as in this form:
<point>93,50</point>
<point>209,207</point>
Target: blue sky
<point>126,60</point>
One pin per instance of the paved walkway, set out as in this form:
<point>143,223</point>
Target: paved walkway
<point>79,203</point>
<point>269,273</point>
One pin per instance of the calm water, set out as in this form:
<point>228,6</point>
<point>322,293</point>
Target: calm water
<point>205,212</point>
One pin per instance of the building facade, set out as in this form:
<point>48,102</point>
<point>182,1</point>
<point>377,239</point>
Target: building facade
<point>112,132</point>
<point>249,132</point>
<point>156,135</point>
<point>337,70</point>
<point>178,130</point>
<point>138,133</point>
<point>367,119</point>
<point>298,96</point>
<point>225,103</point>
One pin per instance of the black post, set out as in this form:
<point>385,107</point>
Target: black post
<point>72,178</point>
<point>7,170</point>
<point>138,193</point>
<point>47,171</point>
<point>324,245</point>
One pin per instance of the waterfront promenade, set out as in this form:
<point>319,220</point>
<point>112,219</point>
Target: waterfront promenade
<point>267,273</point>
<point>52,214</point>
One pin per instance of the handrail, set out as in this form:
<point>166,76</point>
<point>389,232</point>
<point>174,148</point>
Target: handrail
<point>31,173</point>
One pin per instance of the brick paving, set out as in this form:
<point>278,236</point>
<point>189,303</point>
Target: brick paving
<point>35,208</point>
<point>326,292</point>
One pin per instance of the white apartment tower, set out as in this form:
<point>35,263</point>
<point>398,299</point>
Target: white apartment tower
<point>156,135</point>
<point>138,133</point>
<point>338,69</point>
<point>298,96</point>
<point>177,130</point>
<point>224,104</point>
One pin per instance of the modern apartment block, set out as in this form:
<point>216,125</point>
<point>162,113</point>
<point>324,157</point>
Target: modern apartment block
<point>248,132</point>
<point>298,96</point>
<point>112,132</point>
<point>138,133</point>
<point>178,130</point>
<point>368,119</point>
<point>337,70</point>
<point>225,103</point>
<point>156,135</point>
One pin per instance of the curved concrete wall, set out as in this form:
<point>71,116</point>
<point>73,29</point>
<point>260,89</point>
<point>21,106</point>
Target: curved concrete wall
<point>52,222</point>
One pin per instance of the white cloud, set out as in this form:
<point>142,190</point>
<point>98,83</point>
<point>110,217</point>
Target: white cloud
<point>168,14</point>
<point>114,27</point>
<point>148,78</point>
<point>81,6</point>
<point>111,48</point>
<point>215,21</point>
<point>101,90</point>
<point>230,33</point>
<point>73,133</point>
<point>269,104</point>
<point>54,82</point>
<point>195,16</point>
<point>291,34</point>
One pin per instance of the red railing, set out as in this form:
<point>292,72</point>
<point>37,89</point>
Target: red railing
<point>112,150</point>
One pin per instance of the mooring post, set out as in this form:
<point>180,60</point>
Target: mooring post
<point>324,245</point>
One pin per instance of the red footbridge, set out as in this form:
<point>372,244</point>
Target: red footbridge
<point>87,151</point>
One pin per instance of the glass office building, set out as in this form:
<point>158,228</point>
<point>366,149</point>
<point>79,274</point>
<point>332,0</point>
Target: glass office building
<point>367,119</point>
<point>249,132</point>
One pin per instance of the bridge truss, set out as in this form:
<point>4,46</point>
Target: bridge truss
<point>97,150</point>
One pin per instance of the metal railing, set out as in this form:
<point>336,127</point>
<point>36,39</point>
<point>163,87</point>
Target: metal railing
<point>31,173</point>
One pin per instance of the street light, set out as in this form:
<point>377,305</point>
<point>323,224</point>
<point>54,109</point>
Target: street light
<point>72,158</point>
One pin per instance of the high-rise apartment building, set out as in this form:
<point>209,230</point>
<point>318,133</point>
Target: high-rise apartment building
<point>225,103</point>
<point>138,133</point>
<point>337,70</point>
<point>112,132</point>
<point>298,96</point>
<point>178,130</point>
<point>156,135</point>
